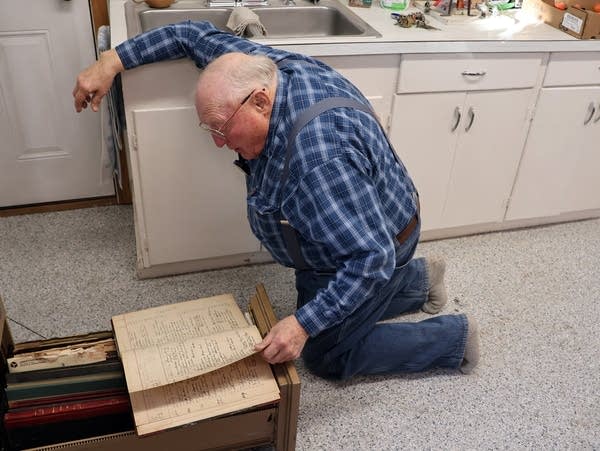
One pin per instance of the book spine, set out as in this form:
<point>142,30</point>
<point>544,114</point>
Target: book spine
<point>79,370</point>
<point>14,392</point>
<point>18,404</point>
<point>67,411</point>
<point>58,358</point>
<point>37,345</point>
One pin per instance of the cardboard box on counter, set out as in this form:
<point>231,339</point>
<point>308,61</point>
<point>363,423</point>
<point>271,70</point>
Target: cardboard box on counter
<point>582,23</point>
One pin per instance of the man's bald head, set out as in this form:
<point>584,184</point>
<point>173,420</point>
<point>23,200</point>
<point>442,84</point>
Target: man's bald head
<point>228,79</point>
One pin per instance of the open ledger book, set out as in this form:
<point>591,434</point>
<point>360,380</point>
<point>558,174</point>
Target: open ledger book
<point>190,361</point>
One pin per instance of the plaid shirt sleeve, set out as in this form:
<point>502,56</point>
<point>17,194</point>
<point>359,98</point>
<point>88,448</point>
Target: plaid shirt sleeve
<point>199,41</point>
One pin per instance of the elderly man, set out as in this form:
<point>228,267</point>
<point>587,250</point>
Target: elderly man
<point>327,195</point>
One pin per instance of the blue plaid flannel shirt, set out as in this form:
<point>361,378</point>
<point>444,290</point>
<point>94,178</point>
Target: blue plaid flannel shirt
<point>346,194</point>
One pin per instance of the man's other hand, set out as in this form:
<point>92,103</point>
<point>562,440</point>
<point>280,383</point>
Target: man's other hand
<point>94,82</point>
<point>284,342</point>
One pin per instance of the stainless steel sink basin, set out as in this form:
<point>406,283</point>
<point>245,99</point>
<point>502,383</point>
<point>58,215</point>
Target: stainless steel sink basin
<point>304,20</point>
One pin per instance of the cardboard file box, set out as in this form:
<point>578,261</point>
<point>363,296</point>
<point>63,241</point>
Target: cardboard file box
<point>264,425</point>
<point>578,20</point>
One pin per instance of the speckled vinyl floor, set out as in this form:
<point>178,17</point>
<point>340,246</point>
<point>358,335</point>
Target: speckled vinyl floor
<point>535,292</point>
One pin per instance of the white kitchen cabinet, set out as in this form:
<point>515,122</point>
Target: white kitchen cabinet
<point>583,192</point>
<point>423,132</point>
<point>189,199</point>
<point>463,147</point>
<point>491,137</point>
<point>193,197</point>
<point>459,122</point>
<point>561,162</point>
<point>374,75</point>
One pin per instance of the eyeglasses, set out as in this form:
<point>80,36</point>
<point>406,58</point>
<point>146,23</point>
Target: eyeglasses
<point>218,133</point>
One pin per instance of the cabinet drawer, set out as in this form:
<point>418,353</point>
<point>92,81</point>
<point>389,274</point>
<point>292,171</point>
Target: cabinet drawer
<point>570,69</point>
<point>468,72</point>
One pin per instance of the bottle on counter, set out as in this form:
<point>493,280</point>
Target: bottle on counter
<point>396,5</point>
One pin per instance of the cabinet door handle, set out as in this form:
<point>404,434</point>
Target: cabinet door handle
<point>471,119</point>
<point>591,111</point>
<point>597,118</point>
<point>468,73</point>
<point>456,119</point>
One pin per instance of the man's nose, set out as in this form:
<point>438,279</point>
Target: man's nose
<point>219,142</point>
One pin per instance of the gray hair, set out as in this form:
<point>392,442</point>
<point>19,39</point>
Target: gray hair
<point>238,74</point>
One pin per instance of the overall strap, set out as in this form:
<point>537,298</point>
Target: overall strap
<point>289,234</point>
<point>308,115</point>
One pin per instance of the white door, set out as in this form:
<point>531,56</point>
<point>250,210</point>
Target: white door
<point>561,133</point>
<point>424,132</point>
<point>47,151</point>
<point>492,132</point>
<point>583,192</point>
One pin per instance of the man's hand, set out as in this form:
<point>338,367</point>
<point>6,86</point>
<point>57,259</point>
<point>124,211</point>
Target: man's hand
<point>284,342</point>
<point>94,82</point>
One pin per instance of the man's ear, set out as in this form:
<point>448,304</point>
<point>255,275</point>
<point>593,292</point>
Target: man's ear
<point>262,101</point>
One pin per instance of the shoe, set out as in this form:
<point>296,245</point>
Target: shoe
<point>471,357</point>
<point>436,268</point>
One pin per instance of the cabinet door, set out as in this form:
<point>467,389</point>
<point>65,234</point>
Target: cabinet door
<point>559,169</point>
<point>583,191</point>
<point>190,199</point>
<point>424,132</point>
<point>492,133</point>
<point>374,75</point>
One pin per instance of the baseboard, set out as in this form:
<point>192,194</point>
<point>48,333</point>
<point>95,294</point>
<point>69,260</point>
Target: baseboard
<point>515,224</point>
<point>58,206</point>
<point>206,264</point>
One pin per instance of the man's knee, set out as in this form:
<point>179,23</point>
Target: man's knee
<point>324,356</point>
<point>327,367</point>
<point>321,369</point>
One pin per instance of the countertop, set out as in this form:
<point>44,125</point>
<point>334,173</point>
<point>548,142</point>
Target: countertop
<point>499,34</point>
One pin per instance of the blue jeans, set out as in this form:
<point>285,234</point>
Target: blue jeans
<point>361,345</point>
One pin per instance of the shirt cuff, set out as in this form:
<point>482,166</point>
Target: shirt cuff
<point>127,53</point>
<point>309,320</point>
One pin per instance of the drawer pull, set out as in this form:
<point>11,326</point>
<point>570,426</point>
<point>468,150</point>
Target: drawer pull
<point>598,115</point>
<point>456,119</point>
<point>591,111</point>
<point>468,73</point>
<point>471,119</point>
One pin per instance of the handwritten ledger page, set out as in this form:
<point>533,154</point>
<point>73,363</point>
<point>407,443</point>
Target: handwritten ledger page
<point>190,361</point>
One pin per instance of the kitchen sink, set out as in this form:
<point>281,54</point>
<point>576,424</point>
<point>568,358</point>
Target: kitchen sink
<point>303,20</point>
